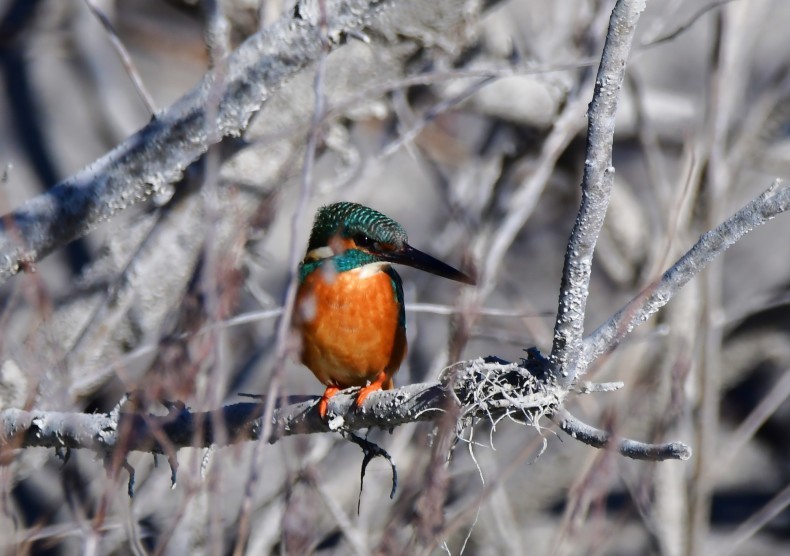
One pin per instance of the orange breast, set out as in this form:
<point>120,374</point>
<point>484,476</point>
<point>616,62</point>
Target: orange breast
<point>349,325</point>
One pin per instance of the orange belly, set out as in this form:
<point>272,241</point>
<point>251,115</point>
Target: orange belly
<point>350,327</point>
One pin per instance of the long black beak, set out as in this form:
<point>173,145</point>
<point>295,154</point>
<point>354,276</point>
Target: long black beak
<point>410,256</point>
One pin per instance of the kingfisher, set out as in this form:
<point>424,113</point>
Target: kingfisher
<point>349,310</point>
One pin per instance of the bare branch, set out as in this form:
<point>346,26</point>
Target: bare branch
<point>770,203</point>
<point>596,190</point>
<point>629,448</point>
<point>239,422</point>
<point>483,389</point>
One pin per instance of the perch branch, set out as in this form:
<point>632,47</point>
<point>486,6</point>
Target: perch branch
<point>484,389</point>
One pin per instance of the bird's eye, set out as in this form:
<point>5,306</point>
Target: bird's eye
<point>362,240</point>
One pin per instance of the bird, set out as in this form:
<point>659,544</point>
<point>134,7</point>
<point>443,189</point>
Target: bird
<point>349,311</point>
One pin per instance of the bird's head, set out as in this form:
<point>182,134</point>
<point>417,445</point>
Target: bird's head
<point>355,235</point>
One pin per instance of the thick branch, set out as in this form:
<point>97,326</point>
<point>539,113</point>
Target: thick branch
<point>482,389</point>
<point>157,155</point>
<point>596,190</point>
<point>182,428</point>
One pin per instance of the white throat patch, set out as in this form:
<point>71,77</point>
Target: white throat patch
<point>319,253</point>
<point>371,269</point>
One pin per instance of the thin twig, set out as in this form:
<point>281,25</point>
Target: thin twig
<point>217,30</point>
<point>756,521</point>
<point>123,54</point>
<point>284,325</point>
<point>685,25</point>
<point>606,337</point>
<point>629,448</point>
<point>749,426</point>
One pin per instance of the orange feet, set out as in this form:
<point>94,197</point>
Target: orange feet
<point>382,382</point>
<point>324,402</point>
